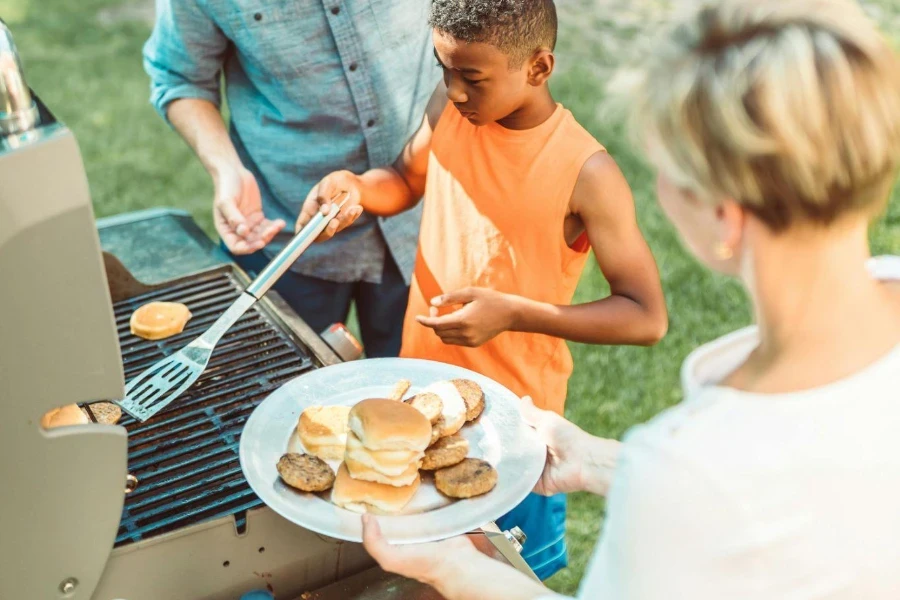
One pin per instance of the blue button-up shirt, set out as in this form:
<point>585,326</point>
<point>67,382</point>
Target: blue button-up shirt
<point>312,86</point>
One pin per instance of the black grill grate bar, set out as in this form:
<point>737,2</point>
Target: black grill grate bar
<point>141,441</point>
<point>221,285</point>
<point>199,322</point>
<point>227,471</point>
<point>191,406</point>
<point>245,329</point>
<point>156,477</point>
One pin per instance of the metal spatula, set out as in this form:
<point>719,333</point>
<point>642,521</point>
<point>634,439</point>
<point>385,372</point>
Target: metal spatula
<point>155,388</point>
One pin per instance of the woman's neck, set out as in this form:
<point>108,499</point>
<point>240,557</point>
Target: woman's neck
<point>821,315</point>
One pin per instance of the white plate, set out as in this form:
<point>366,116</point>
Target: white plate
<point>499,436</point>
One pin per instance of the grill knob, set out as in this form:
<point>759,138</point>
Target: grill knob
<point>339,338</point>
<point>131,483</point>
<point>68,585</point>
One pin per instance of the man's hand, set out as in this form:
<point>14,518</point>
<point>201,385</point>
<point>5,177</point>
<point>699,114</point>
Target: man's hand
<point>576,460</point>
<point>320,197</point>
<point>237,212</point>
<point>484,315</point>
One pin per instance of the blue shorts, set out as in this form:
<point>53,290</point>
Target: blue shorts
<point>543,519</point>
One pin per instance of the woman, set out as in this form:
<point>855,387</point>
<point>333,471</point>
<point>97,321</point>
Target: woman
<point>775,128</point>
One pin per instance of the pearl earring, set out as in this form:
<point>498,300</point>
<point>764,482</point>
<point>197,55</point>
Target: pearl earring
<point>723,251</point>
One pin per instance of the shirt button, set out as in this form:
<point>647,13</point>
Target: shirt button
<point>353,66</point>
<point>335,10</point>
<point>370,122</point>
<point>257,17</point>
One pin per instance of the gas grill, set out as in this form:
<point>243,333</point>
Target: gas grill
<point>148,511</point>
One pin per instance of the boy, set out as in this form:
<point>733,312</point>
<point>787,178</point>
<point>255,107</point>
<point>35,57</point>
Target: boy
<point>516,193</point>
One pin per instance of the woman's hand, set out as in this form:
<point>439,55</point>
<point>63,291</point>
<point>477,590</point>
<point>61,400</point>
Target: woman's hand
<point>424,562</point>
<point>324,193</point>
<point>484,314</point>
<point>576,460</point>
<point>454,567</point>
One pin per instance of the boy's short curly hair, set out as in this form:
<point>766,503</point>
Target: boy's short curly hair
<point>517,27</point>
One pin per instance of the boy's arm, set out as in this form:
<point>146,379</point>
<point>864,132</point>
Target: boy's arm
<point>633,313</point>
<point>384,191</point>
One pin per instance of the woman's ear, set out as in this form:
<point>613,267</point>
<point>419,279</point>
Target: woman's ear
<point>540,67</point>
<point>730,217</point>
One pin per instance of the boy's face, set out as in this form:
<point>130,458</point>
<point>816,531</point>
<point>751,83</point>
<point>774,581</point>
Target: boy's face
<point>479,80</point>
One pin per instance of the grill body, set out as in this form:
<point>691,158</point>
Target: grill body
<point>192,528</point>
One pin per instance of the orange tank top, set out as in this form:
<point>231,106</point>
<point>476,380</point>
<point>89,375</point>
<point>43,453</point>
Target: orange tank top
<point>495,204</point>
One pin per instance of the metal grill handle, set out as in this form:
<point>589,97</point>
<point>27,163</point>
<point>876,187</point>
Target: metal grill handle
<point>289,255</point>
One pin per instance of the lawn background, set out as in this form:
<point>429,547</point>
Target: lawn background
<point>84,58</point>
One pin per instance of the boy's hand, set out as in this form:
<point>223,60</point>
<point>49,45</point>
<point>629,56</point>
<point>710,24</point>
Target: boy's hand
<point>319,200</point>
<point>484,315</point>
<point>237,212</point>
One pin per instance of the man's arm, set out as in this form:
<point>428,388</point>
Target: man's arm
<point>183,58</point>
<point>633,313</point>
<point>384,191</point>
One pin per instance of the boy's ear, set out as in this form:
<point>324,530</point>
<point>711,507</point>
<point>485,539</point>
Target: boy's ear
<point>540,67</point>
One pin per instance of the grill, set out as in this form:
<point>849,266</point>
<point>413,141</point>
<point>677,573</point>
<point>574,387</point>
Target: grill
<point>186,458</point>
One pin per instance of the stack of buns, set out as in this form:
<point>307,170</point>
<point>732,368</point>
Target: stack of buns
<point>385,447</point>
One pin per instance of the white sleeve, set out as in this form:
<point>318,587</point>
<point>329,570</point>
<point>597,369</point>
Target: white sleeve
<point>667,530</point>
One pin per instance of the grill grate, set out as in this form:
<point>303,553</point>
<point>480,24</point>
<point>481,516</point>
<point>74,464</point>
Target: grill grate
<point>186,458</point>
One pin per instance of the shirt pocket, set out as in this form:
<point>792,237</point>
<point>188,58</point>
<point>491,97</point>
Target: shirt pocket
<point>283,41</point>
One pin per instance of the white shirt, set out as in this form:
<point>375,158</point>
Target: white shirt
<point>733,495</point>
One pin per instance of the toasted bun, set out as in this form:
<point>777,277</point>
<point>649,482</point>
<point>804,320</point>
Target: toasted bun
<point>70,414</point>
<point>358,495</point>
<point>386,462</point>
<point>159,320</point>
<point>324,426</point>
<point>106,413</point>
<point>325,451</point>
<point>364,473</point>
<point>389,425</point>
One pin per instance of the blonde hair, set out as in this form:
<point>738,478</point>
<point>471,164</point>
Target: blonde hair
<point>789,107</point>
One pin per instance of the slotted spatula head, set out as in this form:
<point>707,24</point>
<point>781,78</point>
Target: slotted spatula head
<point>155,388</point>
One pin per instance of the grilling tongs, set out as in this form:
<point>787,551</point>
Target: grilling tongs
<point>155,388</point>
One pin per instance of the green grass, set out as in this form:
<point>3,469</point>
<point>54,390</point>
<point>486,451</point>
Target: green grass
<point>88,70</point>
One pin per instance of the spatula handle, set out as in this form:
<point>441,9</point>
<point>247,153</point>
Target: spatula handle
<point>300,242</point>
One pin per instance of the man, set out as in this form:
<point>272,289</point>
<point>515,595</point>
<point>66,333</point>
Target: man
<point>310,84</point>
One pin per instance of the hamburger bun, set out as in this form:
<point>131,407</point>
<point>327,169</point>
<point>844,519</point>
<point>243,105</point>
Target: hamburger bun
<point>324,426</point>
<point>159,320</point>
<point>386,462</point>
<point>364,473</point>
<point>106,413</point>
<point>359,496</point>
<point>382,424</point>
<point>71,414</point>
<point>326,451</point>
